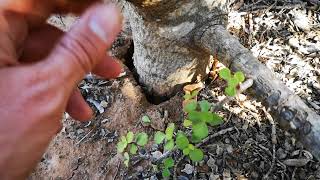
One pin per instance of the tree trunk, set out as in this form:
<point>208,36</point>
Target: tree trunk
<point>172,43</point>
<point>165,56</point>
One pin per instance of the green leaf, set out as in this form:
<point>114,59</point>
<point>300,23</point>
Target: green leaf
<point>169,131</point>
<point>129,137</point>
<point>230,91</point>
<point>191,106</point>
<point>239,76</point>
<point>225,73</point>
<point>159,137</point>
<point>233,82</point>
<point>204,106</point>
<point>216,120</point>
<point>165,172</point>
<point>194,93</point>
<point>187,123</point>
<point>200,130</point>
<point>191,147</point>
<point>182,141</point>
<point>169,145</point>
<point>122,144</point>
<point>126,159</point>
<point>196,116</point>
<point>187,96</point>
<point>168,162</point>
<point>186,151</point>
<point>196,155</point>
<point>133,149</point>
<point>142,139</point>
<point>146,119</point>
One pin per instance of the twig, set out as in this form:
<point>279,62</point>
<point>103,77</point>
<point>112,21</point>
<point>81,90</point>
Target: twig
<point>274,142</point>
<point>244,86</point>
<point>84,137</point>
<point>165,155</point>
<point>273,7</point>
<point>221,132</point>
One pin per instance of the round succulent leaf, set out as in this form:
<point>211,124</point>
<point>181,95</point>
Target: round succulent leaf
<point>133,149</point>
<point>233,82</point>
<point>182,141</point>
<point>225,73</point>
<point>159,137</point>
<point>169,131</point>
<point>187,123</point>
<point>146,119</point>
<point>191,146</point>
<point>142,139</point>
<point>239,76</point>
<point>196,155</point>
<point>230,91</point>
<point>200,130</point>
<point>204,106</point>
<point>121,146</point>
<point>168,162</point>
<point>130,137</point>
<point>216,120</point>
<point>165,172</point>
<point>186,151</point>
<point>169,145</point>
<point>190,106</point>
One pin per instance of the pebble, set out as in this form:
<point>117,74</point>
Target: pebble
<point>296,162</point>
<point>214,177</point>
<point>188,169</point>
<point>211,162</point>
<point>182,178</point>
<point>281,154</point>
<point>156,154</point>
<point>254,175</point>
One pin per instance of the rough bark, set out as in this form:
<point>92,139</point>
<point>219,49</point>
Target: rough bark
<point>287,108</point>
<point>165,56</point>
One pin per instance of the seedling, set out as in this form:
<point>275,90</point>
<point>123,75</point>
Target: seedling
<point>131,143</point>
<point>146,120</point>
<point>232,80</point>
<point>167,163</point>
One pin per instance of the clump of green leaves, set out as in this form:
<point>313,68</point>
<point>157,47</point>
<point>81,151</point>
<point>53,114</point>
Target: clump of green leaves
<point>160,137</point>
<point>199,117</point>
<point>131,142</point>
<point>233,80</point>
<point>167,164</point>
<point>187,148</point>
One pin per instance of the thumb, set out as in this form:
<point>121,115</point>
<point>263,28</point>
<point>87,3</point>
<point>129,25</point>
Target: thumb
<point>85,45</point>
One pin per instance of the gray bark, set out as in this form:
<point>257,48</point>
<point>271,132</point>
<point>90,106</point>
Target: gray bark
<point>286,107</point>
<point>165,56</point>
<point>172,43</point>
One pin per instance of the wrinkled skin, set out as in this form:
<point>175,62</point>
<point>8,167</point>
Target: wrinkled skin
<point>40,67</point>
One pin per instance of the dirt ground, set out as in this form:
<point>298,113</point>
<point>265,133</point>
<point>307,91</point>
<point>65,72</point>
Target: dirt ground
<point>248,145</point>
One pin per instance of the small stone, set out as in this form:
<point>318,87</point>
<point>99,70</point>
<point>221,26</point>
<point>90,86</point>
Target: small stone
<point>219,150</point>
<point>214,177</point>
<point>227,141</point>
<point>104,104</point>
<point>226,174</point>
<point>182,178</point>
<point>156,154</point>
<point>188,169</point>
<point>281,154</point>
<point>296,162</point>
<point>229,149</point>
<point>211,162</point>
<point>80,131</point>
<point>254,175</point>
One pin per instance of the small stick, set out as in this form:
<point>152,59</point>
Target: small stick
<point>273,140</point>
<point>84,137</point>
<point>221,132</point>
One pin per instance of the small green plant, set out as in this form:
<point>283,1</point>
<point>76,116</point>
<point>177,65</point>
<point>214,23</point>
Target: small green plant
<point>167,164</point>
<point>232,80</point>
<point>146,120</point>
<point>159,137</point>
<point>130,142</point>
<point>199,117</point>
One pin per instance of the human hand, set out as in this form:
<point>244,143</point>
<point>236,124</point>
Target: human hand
<point>40,67</point>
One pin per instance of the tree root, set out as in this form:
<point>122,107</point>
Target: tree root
<point>287,108</point>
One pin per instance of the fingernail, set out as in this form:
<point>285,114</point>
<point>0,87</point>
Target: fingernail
<point>105,22</point>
